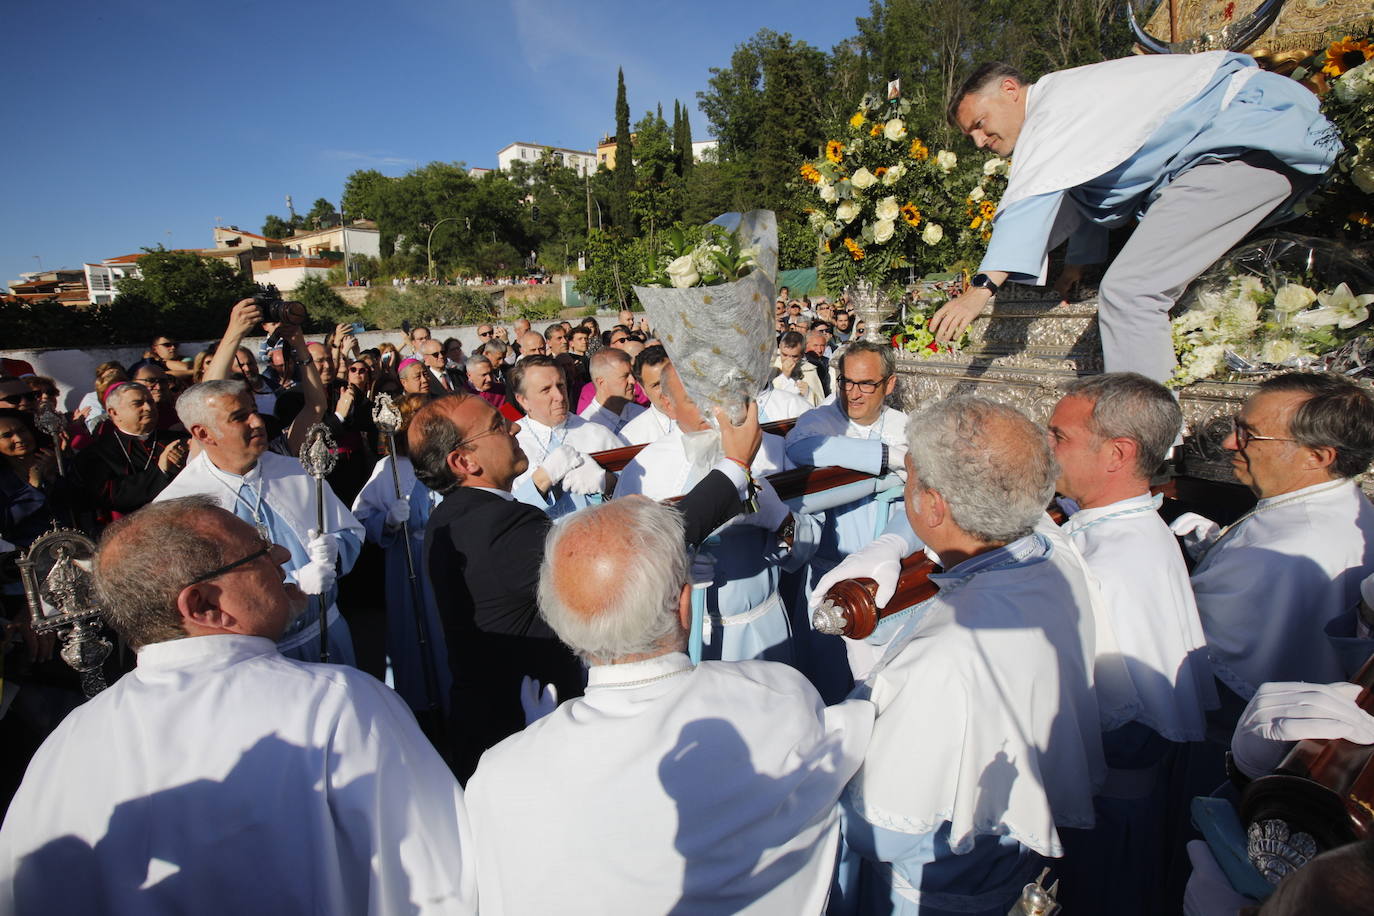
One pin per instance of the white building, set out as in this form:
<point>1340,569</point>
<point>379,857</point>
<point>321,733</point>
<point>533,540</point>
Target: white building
<point>701,149</point>
<point>583,163</point>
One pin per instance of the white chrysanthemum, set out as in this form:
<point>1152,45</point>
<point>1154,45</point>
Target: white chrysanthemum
<point>1249,288</point>
<point>1239,319</point>
<point>1293,297</point>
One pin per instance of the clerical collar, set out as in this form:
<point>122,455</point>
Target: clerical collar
<point>141,437</point>
<point>636,674</point>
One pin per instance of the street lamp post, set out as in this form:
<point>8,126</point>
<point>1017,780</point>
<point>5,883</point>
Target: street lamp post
<point>429,254</point>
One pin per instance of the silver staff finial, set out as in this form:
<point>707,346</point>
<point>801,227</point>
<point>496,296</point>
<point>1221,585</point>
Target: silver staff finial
<point>317,454</point>
<point>385,414</point>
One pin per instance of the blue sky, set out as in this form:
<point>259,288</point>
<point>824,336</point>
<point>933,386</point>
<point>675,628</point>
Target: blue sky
<point>137,124</point>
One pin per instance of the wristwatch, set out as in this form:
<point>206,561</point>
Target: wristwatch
<point>986,283</point>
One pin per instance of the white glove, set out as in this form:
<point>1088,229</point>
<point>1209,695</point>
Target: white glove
<point>896,460</point>
<point>1197,532</point>
<point>588,477</point>
<point>536,703</point>
<point>560,461</point>
<point>880,561</point>
<point>319,575</point>
<point>397,513</point>
<point>772,511</point>
<point>1281,712</point>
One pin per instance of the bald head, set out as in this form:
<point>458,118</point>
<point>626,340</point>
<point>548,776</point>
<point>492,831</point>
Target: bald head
<point>603,362</point>
<point>532,344</point>
<point>613,581</point>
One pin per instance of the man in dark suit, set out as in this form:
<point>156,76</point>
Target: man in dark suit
<point>483,551</point>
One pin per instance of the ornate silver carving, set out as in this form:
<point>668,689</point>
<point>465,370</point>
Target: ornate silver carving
<point>1276,850</point>
<point>318,455</point>
<point>384,413</point>
<point>56,572</point>
<point>870,305</point>
<point>827,619</point>
<point>54,424</point>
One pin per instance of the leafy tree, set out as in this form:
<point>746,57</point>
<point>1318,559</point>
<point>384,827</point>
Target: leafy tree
<point>624,159</point>
<point>274,227</point>
<point>614,265</point>
<point>321,215</point>
<point>180,294</point>
<point>363,193</point>
<point>325,307</point>
<point>656,200</point>
<point>437,306</point>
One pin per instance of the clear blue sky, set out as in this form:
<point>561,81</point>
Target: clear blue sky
<point>133,124</point>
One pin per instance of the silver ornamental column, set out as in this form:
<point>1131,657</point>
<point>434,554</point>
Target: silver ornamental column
<point>56,571</point>
<point>318,457</point>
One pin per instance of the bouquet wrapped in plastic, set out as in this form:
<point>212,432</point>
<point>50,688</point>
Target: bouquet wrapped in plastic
<point>720,337</point>
<point>1280,302</point>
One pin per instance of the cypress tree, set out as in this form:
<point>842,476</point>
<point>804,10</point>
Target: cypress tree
<point>623,180</point>
<point>686,142</point>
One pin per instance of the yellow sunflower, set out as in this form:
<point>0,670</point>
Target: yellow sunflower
<point>810,172</point>
<point>880,171</point>
<point>911,214</point>
<point>858,120</point>
<point>987,209</point>
<point>834,151</point>
<point>918,150</point>
<point>1346,54</point>
<point>977,221</point>
<point>854,250</point>
<point>876,130</point>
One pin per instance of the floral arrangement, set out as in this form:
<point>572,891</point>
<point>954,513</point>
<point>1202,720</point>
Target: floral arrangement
<point>1260,309</point>
<point>1343,75</point>
<point>912,335</point>
<point>885,201</point>
<point>716,257</point>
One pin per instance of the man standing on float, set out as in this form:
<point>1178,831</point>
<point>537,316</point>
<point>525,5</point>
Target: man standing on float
<point>1200,148</point>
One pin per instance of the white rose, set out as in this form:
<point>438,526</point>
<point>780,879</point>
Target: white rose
<point>1293,297</point>
<point>894,174</point>
<point>847,211</point>
<point>932,234</point>
<point>863,178</point>
<point>1278,352</point>
<point>994,165</point>
<point>682,273</point>
<point>977,194</point>
<point>828,193</point>
<point>946,160</point>
<point>887,209</point>
<point>894,129</point>
<point>883,229</point>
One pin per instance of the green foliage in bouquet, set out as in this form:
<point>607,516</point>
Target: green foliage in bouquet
<point>708,256</point>
<point>913,334</point>
<point>885,202</point>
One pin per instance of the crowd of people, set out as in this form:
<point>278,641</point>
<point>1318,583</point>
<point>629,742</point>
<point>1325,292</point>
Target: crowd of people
<point>619,666</point>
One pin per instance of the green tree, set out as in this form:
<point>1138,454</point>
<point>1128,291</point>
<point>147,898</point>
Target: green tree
<point>614,265</point>
<point>322,215</point>
<point>363,193</point>
<point>274,227</point>
<point>325,307</point>
<point>656,200</point>
<point>180,294</point>
<point>624,173</point>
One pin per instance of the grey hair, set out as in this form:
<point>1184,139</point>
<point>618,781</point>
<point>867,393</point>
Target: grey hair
<point>497,348</point>
<point>147,558</point>
<point>884,353</point>
<point>475,360</point>
<point>601,361</point>
<point>979,81</point>
<point>639,614</point>
<point>118,393</point>
<point>1127,405</point>
<point>992,465</point>
<point>1337,414</point>
<point>193,407</point>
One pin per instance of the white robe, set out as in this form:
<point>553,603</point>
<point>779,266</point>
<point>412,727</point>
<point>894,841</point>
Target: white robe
<point>220,777</point>
<point>1148,597</point>
<point>596,412</point>
<point>776,404</point>
<point>1269,585</point>
<point>986,712</point>
<point>668,788</point>
<point>650,426</point>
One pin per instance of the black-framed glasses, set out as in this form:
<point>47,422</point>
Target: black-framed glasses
<point>156,382</point>
<point>867,386</point>
<point>502,426</point>
<point>1244,435</point>
<point>266,549</point>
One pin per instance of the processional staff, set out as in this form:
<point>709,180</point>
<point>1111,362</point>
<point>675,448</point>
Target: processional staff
<point>318,457</point>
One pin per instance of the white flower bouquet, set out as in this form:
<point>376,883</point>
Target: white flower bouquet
<point>1285,302</point>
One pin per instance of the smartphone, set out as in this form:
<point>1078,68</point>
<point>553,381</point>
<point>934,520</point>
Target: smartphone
<point>358,328</point>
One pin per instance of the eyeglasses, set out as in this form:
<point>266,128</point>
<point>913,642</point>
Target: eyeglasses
<point>155,382</point>
<point>502,426</point>
<point>166,343</point>
<point>865,385</point>
<point>1244,436</point>
<point>22,396</point>
<point>484,333</point>
<point>266,549</point>
<point>358,370</point>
